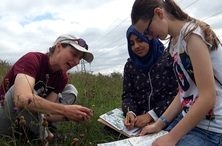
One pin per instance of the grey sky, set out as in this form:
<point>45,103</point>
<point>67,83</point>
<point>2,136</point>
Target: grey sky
<point>33,25</point>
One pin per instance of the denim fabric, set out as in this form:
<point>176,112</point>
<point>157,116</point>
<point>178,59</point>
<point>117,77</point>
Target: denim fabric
<point>201,137</point>
<point>68,95</point>
<point>174,122</point>
<point>9,114</point>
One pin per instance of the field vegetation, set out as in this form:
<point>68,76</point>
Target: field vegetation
<point>99,92</point>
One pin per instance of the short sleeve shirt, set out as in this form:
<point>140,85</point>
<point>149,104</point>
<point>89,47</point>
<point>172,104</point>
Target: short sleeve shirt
<point>187,85</point>
<point>36,65</point>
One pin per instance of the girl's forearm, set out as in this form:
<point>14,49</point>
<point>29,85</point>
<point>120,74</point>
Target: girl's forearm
<point>195,114</point>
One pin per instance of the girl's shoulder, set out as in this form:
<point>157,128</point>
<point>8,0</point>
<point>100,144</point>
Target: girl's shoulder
<point>192,28</point>
<point>165,59</point>
<point>129,66</point>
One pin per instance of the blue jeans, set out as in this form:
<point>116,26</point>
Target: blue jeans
<point>174,122</point>
<point>197,136</point>
<point>201,137</point>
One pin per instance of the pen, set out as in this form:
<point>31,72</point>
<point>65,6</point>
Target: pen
<point>137,130</point>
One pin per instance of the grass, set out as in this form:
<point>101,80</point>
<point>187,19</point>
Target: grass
<point>99,92</point>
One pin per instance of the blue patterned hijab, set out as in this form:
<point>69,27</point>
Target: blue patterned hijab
<point>155,51</point>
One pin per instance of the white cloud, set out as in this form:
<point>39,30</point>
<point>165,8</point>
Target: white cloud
<point>34,25</point>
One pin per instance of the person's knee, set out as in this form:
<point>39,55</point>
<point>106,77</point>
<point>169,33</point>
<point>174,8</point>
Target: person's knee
<point>69,88</point>
<point>68,95</point>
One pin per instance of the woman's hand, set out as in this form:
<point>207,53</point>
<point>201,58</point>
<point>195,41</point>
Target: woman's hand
<point>143,120</point>
<point>78,113</point>
<point>151,128</point>
<point>130,120</point>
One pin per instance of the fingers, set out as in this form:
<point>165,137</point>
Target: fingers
<point>85,116</point>
<point>126,121</point>
<point>85,110</point>
<point>80,117</point>
<point>78,113</point>
<point>82,113</point>
<point>141,121</point>
<point>130,121</point>
<point>144,131</point>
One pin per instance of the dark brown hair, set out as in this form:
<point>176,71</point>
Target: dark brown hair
<point>144,9</point>
<point>52,49</point>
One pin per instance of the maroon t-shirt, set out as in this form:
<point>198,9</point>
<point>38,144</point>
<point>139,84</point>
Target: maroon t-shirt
<point>36,65</point>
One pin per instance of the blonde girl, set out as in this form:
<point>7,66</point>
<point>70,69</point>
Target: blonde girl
<point>198,66</point>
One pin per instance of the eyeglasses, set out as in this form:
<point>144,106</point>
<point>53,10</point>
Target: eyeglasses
<point>148,27</point>
<point>80,42</point>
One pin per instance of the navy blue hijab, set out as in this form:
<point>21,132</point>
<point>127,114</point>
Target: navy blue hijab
<point>155,51</point>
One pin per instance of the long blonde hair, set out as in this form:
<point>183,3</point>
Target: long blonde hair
<point>144,9</point>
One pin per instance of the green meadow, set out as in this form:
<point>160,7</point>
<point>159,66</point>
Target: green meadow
<point>99,92</point>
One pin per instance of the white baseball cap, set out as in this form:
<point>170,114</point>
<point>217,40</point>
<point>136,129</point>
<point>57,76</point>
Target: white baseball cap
<point>77,43</point>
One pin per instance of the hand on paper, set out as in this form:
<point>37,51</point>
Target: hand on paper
<point>150,128</point>
<point>130,120</point>
<point>143,120</point>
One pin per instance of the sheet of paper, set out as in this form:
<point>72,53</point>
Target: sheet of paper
<point>124,142</point>
<point>115,118</point>
<point>146,140</point>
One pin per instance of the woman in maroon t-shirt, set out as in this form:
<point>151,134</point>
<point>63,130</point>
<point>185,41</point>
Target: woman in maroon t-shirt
<point>32,85</point>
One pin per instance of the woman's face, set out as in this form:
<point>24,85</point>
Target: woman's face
<point>156,27</point>
<point>139,47</point>
<point>67,57</point>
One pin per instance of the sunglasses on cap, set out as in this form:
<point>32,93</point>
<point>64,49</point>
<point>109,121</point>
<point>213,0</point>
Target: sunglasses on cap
<point>80,42</point>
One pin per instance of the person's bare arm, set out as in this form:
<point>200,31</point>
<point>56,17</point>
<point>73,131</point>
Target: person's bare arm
<point>24,98</point>
<point>203,73</point>
<point>52,97</point>
<point>204,78</point>
<point>54,117</point>
<point>171,112</point>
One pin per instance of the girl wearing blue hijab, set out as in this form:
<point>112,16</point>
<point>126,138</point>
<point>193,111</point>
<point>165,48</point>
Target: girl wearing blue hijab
<point>144,62</point>
<point>149,83</point>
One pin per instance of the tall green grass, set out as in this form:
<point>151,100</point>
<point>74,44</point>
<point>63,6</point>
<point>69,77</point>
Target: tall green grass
<point>99,92</point>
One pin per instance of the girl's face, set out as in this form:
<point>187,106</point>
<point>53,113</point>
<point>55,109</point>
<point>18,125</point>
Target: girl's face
<point>139,47</point>
<point>67,57</point>
<point>156,27</point>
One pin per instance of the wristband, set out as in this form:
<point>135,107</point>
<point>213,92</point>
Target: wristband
<point>164,120</point>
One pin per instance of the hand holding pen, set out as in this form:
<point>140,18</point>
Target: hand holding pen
<point>130,120</point>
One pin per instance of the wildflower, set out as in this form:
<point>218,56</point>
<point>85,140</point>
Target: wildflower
<point>22,121</point>
<point>75,141</point>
